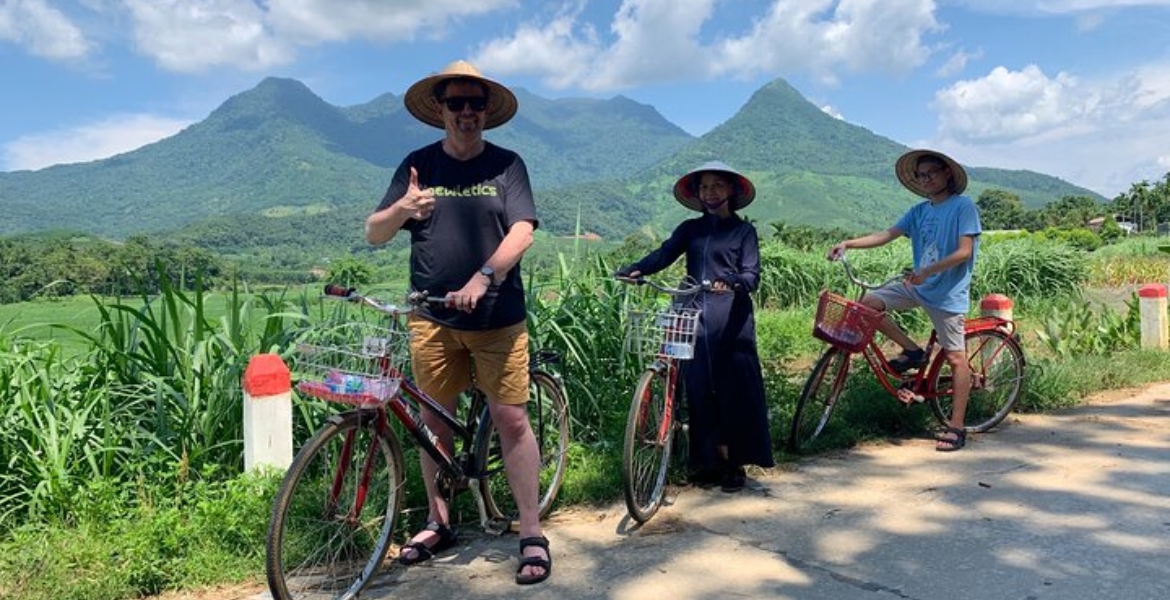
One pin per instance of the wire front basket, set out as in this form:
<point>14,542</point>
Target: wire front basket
<point>352,363</point>
<point>843,323</point>
<point>663,334</point>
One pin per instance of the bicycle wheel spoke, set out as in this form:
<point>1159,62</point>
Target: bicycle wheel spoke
<point>821,393</point>
<point>330,533</point>
<point>647,447</point>
<point>997,373</point>
<point>548,415</point>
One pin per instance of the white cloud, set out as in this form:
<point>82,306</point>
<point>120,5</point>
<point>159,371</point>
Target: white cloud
<point>832,112</point>
<point>1052,7</point>
<point>861,35</point>
<point>957,62</point>
<point>655,41</point>
<point>312,21</point>
<point>1007,105</point>
<point>1100,134</point>
<point>193,36</point>
<point>93,141</point>
<point>42,30</point>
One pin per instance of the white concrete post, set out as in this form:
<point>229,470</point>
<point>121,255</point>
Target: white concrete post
<point>996,305</point>
<point>1152,306</point>
<point>268,436</point>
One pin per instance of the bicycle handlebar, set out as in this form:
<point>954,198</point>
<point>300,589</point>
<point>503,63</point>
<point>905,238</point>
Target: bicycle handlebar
<point>415,299</point>
<point>688,286</point>
<point>865,284</point>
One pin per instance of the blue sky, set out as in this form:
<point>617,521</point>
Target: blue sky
<point>1079,89</point>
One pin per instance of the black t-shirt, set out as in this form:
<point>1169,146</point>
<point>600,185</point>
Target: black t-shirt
<point>476,202</point>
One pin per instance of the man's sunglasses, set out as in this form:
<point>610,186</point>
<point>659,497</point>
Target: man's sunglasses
<point>456,103</point>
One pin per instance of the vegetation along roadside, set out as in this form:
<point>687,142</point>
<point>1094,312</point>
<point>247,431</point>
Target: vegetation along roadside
<point>120,431</point>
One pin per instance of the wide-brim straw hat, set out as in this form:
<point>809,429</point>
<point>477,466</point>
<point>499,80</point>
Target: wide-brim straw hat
<point>687,188</point>
<point>421,102</point>
<point>907,166</point>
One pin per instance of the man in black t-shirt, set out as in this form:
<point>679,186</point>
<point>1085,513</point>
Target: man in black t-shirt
<point>469,209</point>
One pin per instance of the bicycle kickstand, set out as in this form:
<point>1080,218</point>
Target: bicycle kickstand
<point>492,526</point>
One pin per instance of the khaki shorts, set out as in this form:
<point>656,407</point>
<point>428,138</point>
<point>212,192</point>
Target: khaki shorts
<point>951,327</point>
<point>441,359</point>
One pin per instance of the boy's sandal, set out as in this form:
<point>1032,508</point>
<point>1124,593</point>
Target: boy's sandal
<point>423,552</point>
<point>951,443</point>
<point>534,561</point>
<point>908,360</point>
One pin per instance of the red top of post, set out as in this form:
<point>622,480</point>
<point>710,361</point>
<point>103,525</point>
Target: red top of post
<point>995,302</point>
<point>267,375</point>
<point>1152,290</point>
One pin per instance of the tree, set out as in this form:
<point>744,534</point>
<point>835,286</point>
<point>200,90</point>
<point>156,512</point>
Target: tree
<point>1000,210</point>
<point>350,272</point>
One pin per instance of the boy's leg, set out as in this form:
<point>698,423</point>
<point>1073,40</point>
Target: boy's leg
<point>952,338</point>
<point>896,296</point>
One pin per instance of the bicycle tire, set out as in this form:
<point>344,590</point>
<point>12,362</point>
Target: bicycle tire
<point>997,371</point>
<point>312,549</point>
<point>820,395</point>
<point>548,412</point>
<point>646,457</point>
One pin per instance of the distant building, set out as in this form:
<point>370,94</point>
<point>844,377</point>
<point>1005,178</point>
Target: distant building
<point>1095,223</point>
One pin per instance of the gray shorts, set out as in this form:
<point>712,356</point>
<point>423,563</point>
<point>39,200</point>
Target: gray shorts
<point>950,326</point>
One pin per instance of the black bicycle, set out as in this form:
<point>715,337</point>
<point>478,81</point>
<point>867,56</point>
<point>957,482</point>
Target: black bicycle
<point>337,507</point>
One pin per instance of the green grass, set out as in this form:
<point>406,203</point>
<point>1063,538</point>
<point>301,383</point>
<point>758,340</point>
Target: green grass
<point>122,464</point>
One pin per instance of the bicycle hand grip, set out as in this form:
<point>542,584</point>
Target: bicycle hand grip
<point>332,289</point>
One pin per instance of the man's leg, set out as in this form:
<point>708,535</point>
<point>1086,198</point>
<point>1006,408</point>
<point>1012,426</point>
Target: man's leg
<point>522,468</point>
<point>442,371</point>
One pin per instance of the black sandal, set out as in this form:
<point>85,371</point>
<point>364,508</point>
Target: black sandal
<point>908,359</point>
<point>423,552</point>
<point>952,444</point>
<point>534,561</point>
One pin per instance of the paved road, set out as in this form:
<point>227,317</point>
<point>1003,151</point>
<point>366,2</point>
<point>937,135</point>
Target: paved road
<point>1071,506</point>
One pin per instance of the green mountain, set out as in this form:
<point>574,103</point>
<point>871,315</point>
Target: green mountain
<point>278,166</point>
<point>278,151</point>
<point>811,168</point>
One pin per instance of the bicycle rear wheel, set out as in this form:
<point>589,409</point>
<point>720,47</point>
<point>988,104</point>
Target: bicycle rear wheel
<point>646,457</point>
<point>821,393</point>
<point>548,413</point>
<point>997,374</point>
<point>335,510</point>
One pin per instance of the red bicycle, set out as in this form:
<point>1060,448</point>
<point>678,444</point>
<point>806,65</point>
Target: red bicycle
<point>993,351</point>
<point>667,337</point>
<point>337,507</point>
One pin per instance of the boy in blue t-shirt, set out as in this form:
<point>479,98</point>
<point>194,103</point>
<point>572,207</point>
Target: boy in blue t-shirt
<point>944,234</point>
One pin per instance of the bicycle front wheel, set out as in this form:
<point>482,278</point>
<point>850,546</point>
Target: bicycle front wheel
<point>821,393</point>
<point>336,508</point>
<point>997,375</point>
<point>649,438</point>
<point>548,414</point>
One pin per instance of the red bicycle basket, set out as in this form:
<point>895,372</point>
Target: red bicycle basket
<point>843,323</point>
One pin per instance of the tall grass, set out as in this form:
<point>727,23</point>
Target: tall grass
<point>145,425</point>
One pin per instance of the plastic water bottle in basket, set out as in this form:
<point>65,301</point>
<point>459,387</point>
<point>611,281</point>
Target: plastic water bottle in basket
<point>354,363</point>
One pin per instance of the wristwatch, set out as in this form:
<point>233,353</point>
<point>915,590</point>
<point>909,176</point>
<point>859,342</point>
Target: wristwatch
<point>489,272</point>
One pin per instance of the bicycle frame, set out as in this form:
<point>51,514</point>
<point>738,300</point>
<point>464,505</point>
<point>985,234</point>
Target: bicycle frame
<point>411,419</point>
<point>880,365</point>
<point>672,368</point>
